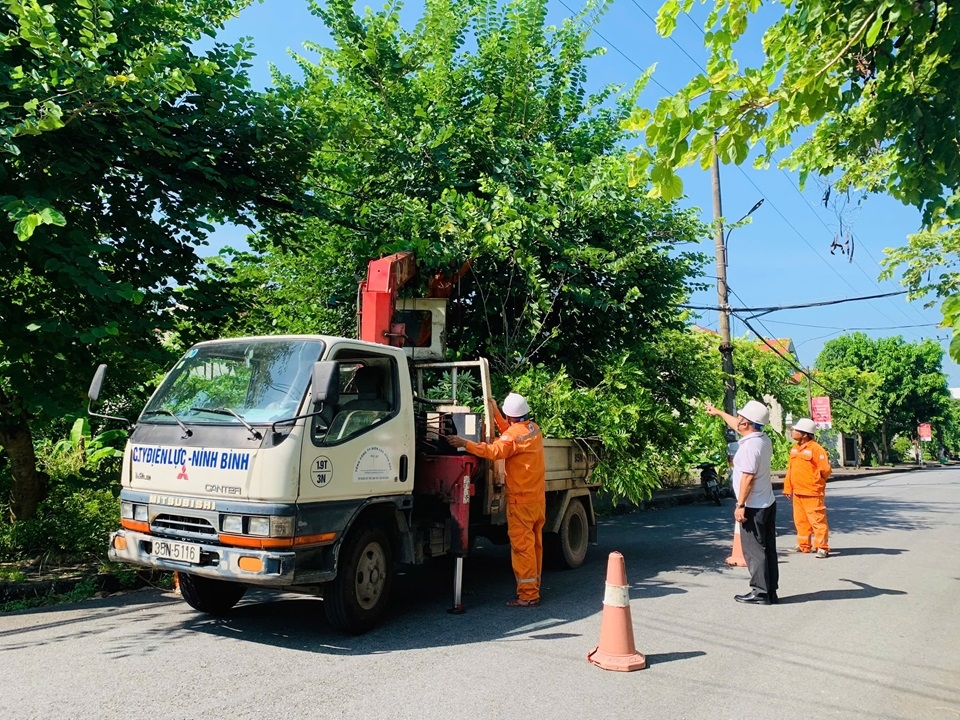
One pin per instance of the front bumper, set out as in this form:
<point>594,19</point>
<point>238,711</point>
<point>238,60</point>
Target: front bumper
<point>216,561</point>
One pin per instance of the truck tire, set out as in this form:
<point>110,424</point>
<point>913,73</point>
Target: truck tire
<point>208,595</point>
<point>356,598</point>
<point>574,535</point>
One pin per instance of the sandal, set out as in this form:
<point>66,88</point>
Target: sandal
<point>517,602</point>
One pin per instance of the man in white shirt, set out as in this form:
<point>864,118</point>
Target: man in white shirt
<point>756,509</point>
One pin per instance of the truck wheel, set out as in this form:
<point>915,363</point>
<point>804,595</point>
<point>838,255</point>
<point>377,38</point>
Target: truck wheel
<point>574,535</point>
<point>209,595</point>
<point>358,595</point>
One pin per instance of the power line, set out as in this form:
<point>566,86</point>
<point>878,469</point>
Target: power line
<point>803,371</point>
<point>854,329</point>
<point>866,249</point>
<point>833,394</point>
<point>672,39</point>
<point>739,168</point>
<point>621,52</point>
<point>765,310</point>
<point>792,183</point>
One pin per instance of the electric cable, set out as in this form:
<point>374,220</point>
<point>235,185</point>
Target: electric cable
<point>803,371</point>
<point>769,309</point>
<point>792,183</point>
<point>853,329</point>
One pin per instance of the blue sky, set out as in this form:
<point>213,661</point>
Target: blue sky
<point>781,258</point>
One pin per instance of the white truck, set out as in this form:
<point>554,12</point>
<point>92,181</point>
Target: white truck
<point>314,464</point>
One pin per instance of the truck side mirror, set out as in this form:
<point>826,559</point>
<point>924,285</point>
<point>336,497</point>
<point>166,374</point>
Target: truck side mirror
<point>94,392</point>
<point>325,382</point>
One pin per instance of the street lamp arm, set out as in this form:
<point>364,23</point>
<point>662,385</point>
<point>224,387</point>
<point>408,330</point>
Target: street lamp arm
<point>749,212</point>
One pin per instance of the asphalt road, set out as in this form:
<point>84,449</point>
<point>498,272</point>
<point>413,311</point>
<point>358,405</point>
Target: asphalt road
<point>871,632</point>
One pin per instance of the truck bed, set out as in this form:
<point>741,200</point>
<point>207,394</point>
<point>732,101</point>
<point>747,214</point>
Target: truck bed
<point>569,463</point>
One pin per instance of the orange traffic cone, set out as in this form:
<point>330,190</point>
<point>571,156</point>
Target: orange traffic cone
<point>616,650</point>
<point>736,557</point>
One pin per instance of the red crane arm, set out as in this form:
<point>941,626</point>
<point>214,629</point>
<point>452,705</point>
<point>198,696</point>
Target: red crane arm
<point>378,297</point>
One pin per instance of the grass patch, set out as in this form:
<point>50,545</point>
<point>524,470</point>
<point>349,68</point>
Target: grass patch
<point>11,573</point>
<point>83,590</point>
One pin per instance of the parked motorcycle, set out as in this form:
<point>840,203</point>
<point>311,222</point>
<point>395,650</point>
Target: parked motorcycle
<point>710,482</point>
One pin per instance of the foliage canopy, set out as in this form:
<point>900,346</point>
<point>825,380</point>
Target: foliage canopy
<point>472,137</point>
<point>862,93</point>
<point>121,142</point>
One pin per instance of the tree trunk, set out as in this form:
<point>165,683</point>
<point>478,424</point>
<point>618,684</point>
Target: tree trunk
<point>884,448</point>
<point>860,449</point>
<point>27,486</point>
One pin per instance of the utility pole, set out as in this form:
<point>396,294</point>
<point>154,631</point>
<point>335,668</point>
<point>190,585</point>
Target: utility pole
<point>723,300</point>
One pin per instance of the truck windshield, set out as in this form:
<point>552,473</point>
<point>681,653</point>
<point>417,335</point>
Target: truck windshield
<point>259,380</point>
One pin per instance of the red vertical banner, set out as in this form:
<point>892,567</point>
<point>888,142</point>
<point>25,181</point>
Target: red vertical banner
<point>820,412</point>
<point>925,431</point>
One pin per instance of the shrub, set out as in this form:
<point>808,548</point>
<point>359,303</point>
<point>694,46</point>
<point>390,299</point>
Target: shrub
<point>82,505</point>
<point>70,523</point>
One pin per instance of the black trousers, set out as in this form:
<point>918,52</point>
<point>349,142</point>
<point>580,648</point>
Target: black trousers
<point>758,537</point>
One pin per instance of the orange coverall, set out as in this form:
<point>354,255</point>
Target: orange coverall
<point>806,480</point>
<point>520,446</point>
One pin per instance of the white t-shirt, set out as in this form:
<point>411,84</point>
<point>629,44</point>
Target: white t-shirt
<point>753,456</point>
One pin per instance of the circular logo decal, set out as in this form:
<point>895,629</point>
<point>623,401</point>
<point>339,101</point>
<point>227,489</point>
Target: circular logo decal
<point>321,471</point>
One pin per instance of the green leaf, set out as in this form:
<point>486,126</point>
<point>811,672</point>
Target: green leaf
<point>51,216</point>
<point>79,431</point>
<point>874,30</point>
<point>672,187</point>
<point>50,122</point>
<point>955,345</point>
<point>25,227</point>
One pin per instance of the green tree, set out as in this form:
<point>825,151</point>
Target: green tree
<point>855,403</point>
<point>121,143</point>
<point>472,136</point>
<point>762,373</point>
<point>870,91</point>
<point>909,385</point>
<point>949,434</point>
<point>498,155</point>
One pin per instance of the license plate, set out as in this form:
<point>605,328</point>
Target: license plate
<point>184,552</point>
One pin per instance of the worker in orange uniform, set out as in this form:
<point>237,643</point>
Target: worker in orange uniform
<point>520,446</point>
<point>806,483</point>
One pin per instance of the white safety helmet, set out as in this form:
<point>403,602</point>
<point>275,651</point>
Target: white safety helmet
<point>805,425</point>
<point>515,406</point>
<point>755,412</point>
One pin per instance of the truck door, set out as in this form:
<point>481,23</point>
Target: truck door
<point>362,446</point>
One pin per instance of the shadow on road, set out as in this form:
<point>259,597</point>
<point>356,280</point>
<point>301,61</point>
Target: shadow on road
<point>861,591</point>
<point>865,514</point>
<point>845,551</point>
<point>661,658</point>
<point>666,553</point>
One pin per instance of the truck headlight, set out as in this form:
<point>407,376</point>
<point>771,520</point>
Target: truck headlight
<point>133,511</point>
<point>258,525</point>
<point>281,526</point>
<point>232,524</point>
